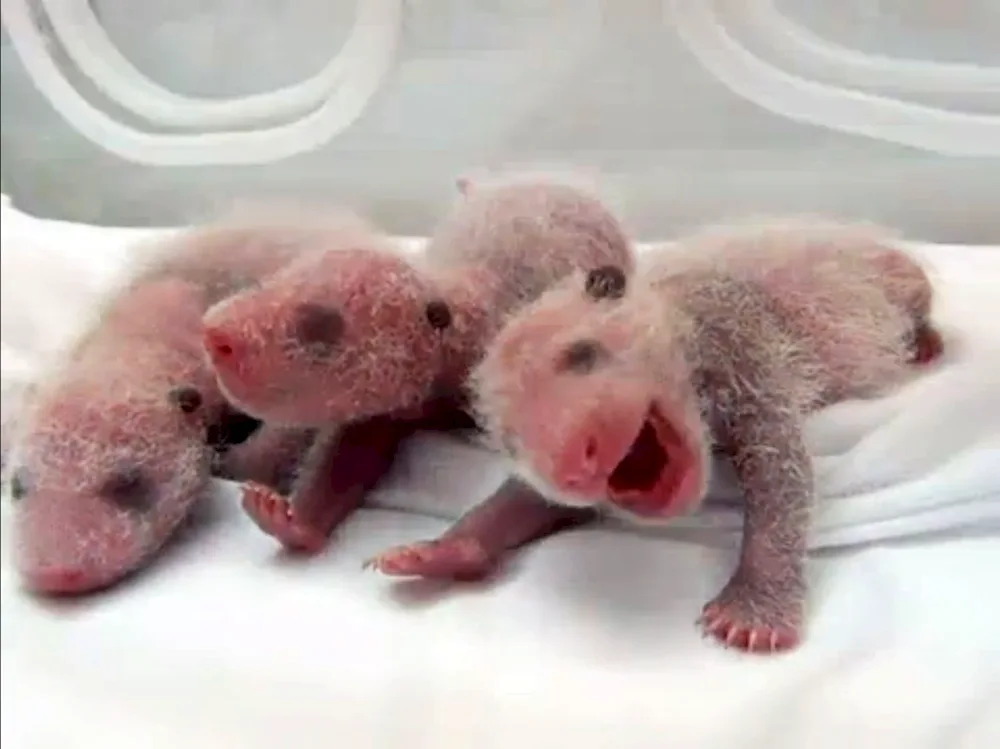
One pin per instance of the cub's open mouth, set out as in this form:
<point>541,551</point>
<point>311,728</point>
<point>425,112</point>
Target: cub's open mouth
<point>643,464</point>
<point>654,466</point>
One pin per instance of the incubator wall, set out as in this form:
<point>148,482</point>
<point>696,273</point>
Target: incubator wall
<point>153,113</point>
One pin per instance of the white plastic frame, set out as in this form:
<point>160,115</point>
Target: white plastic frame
<point>89,48</point>
<point>353,78</point>
<point>698,25</point>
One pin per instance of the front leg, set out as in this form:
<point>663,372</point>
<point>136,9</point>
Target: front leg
<point>271,456</point>
<point>341,467</point>
<point>475,545</point>
<point>761,608</point>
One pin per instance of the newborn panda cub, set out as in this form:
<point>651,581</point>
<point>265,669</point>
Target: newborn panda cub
<point>118,443</point>
<point>615,397</point>
<point>117,447</point>
<point>368,345</point>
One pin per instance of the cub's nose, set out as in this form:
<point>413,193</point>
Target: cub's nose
<point>222,346</point>
<point>57,580</point>
<point>578,467</point>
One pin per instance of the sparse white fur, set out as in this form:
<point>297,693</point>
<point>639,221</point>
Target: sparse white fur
<point>734,336</point>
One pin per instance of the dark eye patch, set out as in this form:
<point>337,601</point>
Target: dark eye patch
<point>438,314</point>
<point>318,327</point>
<point>187,399</point>
<point>18,486</point>
<point>129,489</point>
<point>606,282</point>
<point>582,356</point>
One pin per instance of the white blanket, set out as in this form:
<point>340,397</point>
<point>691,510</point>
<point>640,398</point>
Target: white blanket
<point>589,641</point>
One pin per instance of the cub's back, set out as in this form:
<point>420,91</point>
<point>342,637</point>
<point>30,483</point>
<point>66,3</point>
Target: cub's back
<point>829,295</point>
<point>741,344</point>
<point>528,234</point>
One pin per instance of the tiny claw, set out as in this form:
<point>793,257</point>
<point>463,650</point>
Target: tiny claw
<point>376,563</point>
<point>275,516</point>
<point>454,559</point>
<point>735,628</point>
<point>731,636</point>
<point>716,625</point>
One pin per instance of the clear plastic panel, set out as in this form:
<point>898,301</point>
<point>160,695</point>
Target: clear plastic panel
<point>254,58</point>
<point>692,109</point>
<point>936,30</point>
<point>774,34</point>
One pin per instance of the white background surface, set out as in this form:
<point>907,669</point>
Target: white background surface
<point>589,642</point>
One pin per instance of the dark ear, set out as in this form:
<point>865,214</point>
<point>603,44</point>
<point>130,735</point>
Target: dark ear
<point>606,282</point>
<point>18,486</point>
<point>438,314</point>
<point>186,398</point>
<point>233,428</point>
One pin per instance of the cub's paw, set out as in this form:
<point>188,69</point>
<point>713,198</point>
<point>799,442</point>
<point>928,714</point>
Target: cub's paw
<point>275,515</point>
<point>448,559</point>
<point>748,619</point>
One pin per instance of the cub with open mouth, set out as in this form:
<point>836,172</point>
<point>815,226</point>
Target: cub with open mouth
<point>609,398</point>
<point>367,344</point>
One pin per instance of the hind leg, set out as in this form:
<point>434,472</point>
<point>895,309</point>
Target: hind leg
<point>271,457</point>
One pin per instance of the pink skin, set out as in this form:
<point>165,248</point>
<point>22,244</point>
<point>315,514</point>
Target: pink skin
<point>640,444</point>
<point>279,369</point>
<point>879,269</point>
<point>566,388</point>
<point>345,464</point>
<point>369,346</point>
<point>81,530</point>
<point>112,413</point>
<point>109,463</point>
<point>270,455</point>
<point>101,482</point>
<point>619,443</point>
<point>473,547</point>
<point>113,453</point>
<point>576,455</point>
<point>368,328</point>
